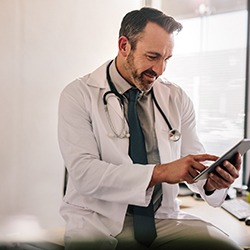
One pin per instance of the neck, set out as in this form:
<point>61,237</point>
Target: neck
<point>119,63</point>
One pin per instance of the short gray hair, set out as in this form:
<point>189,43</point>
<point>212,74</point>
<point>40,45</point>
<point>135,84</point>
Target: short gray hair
<point>135,21</point>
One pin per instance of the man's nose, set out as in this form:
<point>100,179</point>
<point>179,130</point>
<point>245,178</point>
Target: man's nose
<point>159,67</point>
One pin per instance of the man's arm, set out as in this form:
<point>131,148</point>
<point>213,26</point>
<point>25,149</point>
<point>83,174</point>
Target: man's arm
<point>184,169</point>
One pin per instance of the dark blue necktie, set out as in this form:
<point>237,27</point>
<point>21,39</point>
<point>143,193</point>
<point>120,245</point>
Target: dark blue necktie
<point>143,217</point>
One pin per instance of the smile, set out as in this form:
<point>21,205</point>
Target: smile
<point>150,76</point>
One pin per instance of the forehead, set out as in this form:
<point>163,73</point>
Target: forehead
<point>155,38</point>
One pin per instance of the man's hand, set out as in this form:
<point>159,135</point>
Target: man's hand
<point>224,177</point>
<point>184,169</point>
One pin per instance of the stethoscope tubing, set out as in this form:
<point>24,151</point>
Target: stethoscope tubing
<point>113,89</point>
<point>174,134</point>
<point>160,110</point>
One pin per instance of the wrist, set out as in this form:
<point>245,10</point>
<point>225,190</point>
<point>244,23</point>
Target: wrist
<point>209,192</point>
<point>208,189</point>
<point>155,179</point>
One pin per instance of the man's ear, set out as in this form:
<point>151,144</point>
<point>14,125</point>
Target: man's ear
<point>124,46</point>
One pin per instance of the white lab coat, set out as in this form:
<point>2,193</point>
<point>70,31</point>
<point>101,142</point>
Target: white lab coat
<point>103,180</point>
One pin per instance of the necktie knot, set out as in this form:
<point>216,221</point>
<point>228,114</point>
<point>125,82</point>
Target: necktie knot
<point>133,94</point>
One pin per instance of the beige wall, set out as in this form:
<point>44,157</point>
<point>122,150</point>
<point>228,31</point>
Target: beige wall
<point>44,45</point>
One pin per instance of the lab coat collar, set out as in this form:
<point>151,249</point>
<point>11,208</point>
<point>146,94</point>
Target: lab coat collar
<point>98,77</point>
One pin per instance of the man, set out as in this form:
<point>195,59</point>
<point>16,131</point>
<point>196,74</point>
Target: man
<point>99,137</point>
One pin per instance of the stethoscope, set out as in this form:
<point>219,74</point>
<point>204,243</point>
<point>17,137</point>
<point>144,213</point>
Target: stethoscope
<point>174,134</point>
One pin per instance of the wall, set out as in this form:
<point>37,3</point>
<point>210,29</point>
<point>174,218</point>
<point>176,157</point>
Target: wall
<point>44,45</point>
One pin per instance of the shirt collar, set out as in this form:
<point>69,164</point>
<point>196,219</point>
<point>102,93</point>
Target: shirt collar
<point>120,83</point>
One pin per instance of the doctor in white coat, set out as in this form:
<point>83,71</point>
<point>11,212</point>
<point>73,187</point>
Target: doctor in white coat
<point>94,143</point>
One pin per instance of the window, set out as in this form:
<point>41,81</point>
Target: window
<point>209,63</point>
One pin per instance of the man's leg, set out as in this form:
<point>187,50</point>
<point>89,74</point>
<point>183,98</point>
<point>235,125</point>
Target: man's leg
<point>178,235</point>
<point>126,237</point>
<point>191,235</point>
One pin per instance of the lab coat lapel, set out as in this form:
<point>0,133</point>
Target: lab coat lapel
<point>162,95</point>
<point>98,79</point>
<point>115,114</point>
<point>162,98</point>
<point>113,117</point>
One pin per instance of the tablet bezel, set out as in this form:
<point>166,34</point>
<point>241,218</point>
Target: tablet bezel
<point>241,147</point>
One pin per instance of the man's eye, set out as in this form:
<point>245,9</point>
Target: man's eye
<point>151,57</point>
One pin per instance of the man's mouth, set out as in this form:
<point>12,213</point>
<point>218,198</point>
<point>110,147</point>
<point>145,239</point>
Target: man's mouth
<point>150,76</point>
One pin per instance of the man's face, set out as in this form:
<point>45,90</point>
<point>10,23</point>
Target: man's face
<point>148,61</point>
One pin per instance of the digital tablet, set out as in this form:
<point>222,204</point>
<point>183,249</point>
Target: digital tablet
<point>241,147</point>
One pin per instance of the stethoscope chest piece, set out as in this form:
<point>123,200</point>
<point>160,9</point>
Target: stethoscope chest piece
<point>174,135</point>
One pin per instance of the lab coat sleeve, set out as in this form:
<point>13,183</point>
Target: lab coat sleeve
<point>121,182</point>
<point>215,199</point>
<point>190,141</point>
